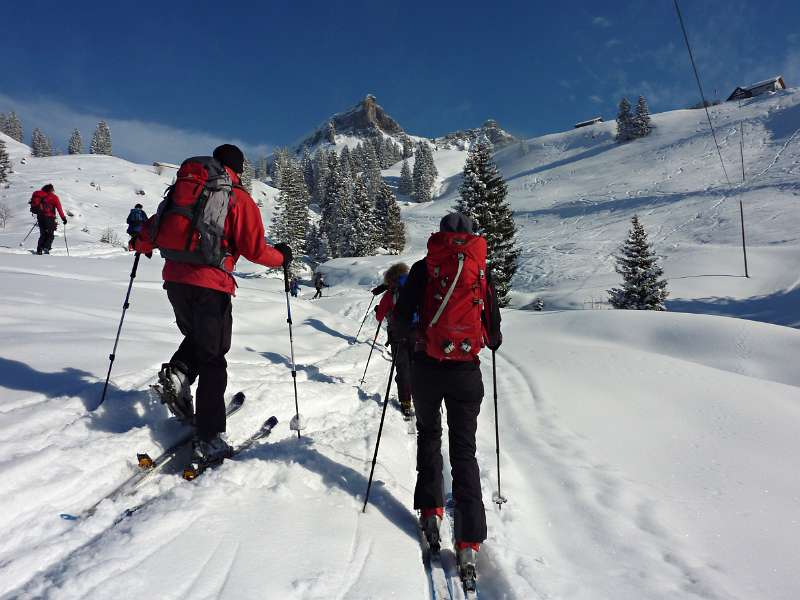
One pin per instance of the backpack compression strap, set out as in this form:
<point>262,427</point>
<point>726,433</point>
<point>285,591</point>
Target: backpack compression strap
<point>449,293</point>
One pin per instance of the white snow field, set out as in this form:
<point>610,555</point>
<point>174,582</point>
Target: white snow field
<point>644,455</point>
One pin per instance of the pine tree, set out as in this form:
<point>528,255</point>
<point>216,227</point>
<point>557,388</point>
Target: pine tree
<point>640,125</point>
<point>247,176</point>
<point>11,126</point>
<point>406,184</point>
<point>307,166</point>
<point>318,247</point>
<point>330,133</point>
<point>424,174</point>
<point>5,163</point>
<point>320,162</point>
<point>364,240</point>
<point>642,286</point>
<point>372,169</point>
<point>624,121</point>
<point>40,145</point>
<point>262,169</point>
<point>331,209</point>
<point>483,198</point>
<point>101,140</point>
<point>408,147</point>
<point>388,223</point>
<point>75,144</point>
<point>290,222</point>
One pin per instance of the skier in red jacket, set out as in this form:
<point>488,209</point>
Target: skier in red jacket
<point>44,204</point>
<point>200,295</point>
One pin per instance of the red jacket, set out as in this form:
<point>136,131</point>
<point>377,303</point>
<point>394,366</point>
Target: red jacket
<point>386,305</point>
<point>244,233</point>
<point>48,204</point>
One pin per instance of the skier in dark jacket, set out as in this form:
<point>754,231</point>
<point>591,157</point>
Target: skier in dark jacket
<point>294,287</point>
<point>200,295</point>
<point>454,379</point>
<point>319,283</point>
<point>44,204</point>
<point>393,281</point>
<point>136,220</point>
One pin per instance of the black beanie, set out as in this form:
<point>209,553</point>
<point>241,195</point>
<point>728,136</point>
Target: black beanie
<point>457,223</point>
<point>230,156</point>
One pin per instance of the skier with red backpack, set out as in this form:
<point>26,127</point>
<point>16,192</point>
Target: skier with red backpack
<point>206,221</point>
<point>44,204</point>
<point>451,291</point>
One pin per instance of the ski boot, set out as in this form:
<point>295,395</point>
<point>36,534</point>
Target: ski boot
<point>407,410</point>
<point>175,391</point>
<point>429,521</point>
<point>467,553</point>
<point>210,452</point>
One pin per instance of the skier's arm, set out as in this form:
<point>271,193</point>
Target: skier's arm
<point>410,300</point>
<point>57,204</point>
<point>247,234</point>
<point>384,306</point>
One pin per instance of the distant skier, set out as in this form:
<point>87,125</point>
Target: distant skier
<point>453,295</point>
<point>393,281</point>
<point>199,284</point>
<point>294,287</point>
<point>44,204</point>
<point>136,220</point>
<point>319,283</point>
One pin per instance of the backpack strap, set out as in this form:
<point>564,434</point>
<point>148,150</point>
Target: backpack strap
<point>449,293</point>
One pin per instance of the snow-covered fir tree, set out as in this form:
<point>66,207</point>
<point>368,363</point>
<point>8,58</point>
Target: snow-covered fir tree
<point>101,140</point>
<point>388,223</point>
<point>406,184</point>
<point>262,169</point>
<point>334,192</point>
<point>320,163</point>
<point>279,161</point>
<point>408,147</point>
<point>247,176</point>
<point>483,198</point>
<point>40,144</point>
<point>372,169</point>
<point>640,125</point>
<point>625,130</point>
<point>290,220</point>
<point>364,239</point>
<point>317,245</point>
<point>75,143</point>
<point>5,163</point>
<point>307,167</point>
<point>11,126</point>
<point>330,133</point>
<point>424,174</point>
<point>642,285</point>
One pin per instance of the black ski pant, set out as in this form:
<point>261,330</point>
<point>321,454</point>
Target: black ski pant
<point>204,318</point>
<point>318,294</point>
<point>461,388</point>
<point>402,365</point>
<point>47,231</point>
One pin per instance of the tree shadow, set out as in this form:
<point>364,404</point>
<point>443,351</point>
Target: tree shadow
<point>337,475</point>
<point>122,410</point>
<point>565,161</point>
<point>781,308</point>
<point>320,326</point>
<point>375,397</point>
<point>313,372</point>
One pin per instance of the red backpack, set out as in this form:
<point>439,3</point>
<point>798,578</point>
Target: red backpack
<point>189,225</point>
<point>36,201</point>
<point>454,297</point>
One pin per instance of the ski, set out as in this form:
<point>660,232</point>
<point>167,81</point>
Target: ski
<point>468,581</point>
<point>194,470</point>
<point>150,466</point>
<point>438,582</point>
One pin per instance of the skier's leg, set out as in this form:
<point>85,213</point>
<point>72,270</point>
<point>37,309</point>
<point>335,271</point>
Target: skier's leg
<point>51,234</point>
<point>181,297</point>
<point>427,394</point>
<point>213,323</point>
<point>42,235</point>
<point>463,397</point>
<point>403,376</point>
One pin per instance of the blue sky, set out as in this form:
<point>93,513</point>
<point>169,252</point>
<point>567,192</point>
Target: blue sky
<point>174,77</point>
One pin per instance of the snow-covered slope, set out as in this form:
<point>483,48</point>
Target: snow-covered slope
<point>573,194</point>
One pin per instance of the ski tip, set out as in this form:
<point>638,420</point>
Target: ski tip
<point>68,517</point>
<point>238,399</point>
<point>272,421</point>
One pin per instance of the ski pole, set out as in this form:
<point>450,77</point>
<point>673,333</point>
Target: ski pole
<point>380,430</point>
<point>498,498</point>
<point>291,347</point>
<point>29,233</point>
<point>364,320</point>
<point>374,341</point>
<point>65,238</point>
<point>125,306</point>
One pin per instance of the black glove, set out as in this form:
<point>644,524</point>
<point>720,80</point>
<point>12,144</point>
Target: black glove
<point>495,341</point>
<point>286,251</point>
<point>64,220</point>
<point>380,289</point>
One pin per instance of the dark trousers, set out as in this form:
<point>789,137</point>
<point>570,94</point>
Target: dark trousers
<point>461,388</point>
<point>318,294</point>
<point>402,365</point>
<point>47,231</point>
<point>204,318</point>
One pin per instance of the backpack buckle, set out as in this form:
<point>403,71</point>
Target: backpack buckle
<point>465,346</point>
<point>448,347</point>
